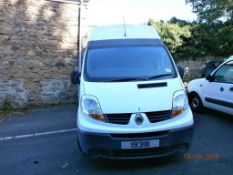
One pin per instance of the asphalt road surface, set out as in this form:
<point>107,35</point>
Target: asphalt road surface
<point>43,141</point>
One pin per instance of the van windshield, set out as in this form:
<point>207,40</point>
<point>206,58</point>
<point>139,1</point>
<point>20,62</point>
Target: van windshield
<point>131,63</point>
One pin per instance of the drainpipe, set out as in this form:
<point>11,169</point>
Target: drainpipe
<point>79,43</point>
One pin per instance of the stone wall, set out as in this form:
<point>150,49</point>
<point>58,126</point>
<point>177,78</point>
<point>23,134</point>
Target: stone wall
<point>193,68</point>
<point>38,49</point>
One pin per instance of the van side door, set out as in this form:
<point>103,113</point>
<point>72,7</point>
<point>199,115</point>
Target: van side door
<point>218,93</point>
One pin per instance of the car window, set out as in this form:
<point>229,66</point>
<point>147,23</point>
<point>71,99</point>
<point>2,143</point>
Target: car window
<point>210,67</point>
<point>225,73</point>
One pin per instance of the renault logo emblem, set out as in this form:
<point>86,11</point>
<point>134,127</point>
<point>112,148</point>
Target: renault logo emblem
<point>139,119</point>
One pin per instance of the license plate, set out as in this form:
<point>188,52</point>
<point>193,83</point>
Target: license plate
<point>140,144</point>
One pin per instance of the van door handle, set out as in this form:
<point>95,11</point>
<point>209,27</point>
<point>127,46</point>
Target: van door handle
<point>231,89</point>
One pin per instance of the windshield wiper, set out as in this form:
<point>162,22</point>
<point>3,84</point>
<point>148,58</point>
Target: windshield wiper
<point>125,79</point>
<point>158,76</point>
<point>139,79</point>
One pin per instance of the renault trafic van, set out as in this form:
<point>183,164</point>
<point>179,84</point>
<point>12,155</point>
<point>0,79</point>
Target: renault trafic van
<point>132,102</point>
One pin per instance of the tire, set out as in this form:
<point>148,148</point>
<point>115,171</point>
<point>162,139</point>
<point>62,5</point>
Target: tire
<point>196,103</point>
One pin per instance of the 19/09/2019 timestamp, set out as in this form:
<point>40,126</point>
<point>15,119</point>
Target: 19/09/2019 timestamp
<point>198,156</point>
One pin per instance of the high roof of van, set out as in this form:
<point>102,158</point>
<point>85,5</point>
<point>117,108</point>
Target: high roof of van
<point>123,32</point>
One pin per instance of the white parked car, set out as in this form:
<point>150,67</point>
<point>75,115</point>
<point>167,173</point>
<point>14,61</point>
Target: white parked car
<point>215,91</point>
<point>132,102</point>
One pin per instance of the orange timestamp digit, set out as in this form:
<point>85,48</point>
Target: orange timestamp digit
<point>199,156</point>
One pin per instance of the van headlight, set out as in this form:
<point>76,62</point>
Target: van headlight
<point>91,107</point>
<point>180,103</point>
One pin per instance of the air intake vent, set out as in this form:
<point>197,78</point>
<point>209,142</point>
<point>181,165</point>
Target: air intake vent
<point>122,119</point>
<point>158,116</point>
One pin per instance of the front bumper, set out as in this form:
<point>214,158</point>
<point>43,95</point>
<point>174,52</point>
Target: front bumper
<point>109,145</point>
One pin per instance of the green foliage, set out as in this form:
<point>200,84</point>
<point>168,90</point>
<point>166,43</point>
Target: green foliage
<point>6,108</point>
<point>211,10</point>
<point>173,34</point>
<point>193,40</point>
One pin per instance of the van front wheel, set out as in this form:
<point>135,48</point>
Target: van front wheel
<point>196,103</point>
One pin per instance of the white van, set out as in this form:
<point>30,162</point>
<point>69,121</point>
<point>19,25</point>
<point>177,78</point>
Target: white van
<point>132,102</point>
<point>215,91</point>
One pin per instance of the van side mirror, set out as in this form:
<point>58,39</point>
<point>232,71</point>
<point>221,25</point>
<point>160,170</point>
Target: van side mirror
<point>181,71</point>
<point>75,77</point>
<point>209,77</point>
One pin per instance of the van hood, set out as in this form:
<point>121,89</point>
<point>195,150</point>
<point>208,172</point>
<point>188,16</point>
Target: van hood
<point>126,97</point>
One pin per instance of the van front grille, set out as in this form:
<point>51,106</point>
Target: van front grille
<point>158,116</point>
<point>123,119</point>
<point>141,135</point>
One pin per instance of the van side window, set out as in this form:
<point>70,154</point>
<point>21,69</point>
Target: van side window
<point>225,73</point>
